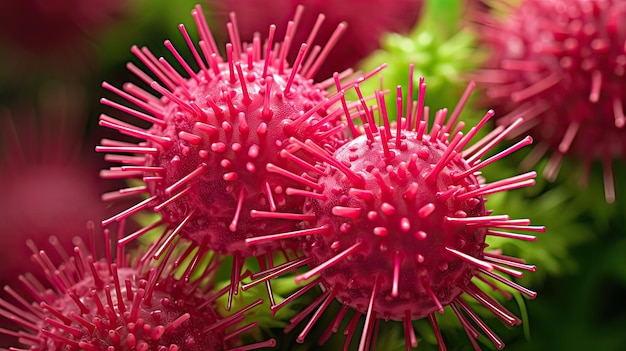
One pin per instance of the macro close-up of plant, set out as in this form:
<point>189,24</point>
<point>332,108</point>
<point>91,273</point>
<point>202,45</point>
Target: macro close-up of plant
<point>312,175</point>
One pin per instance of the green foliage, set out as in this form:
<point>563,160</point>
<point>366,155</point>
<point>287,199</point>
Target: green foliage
<point>442,53</point>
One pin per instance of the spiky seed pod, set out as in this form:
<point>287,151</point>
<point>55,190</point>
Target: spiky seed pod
<point>212,162</point>
<point>96,305</point>
<point>560,65</point>
<point>401,223</point>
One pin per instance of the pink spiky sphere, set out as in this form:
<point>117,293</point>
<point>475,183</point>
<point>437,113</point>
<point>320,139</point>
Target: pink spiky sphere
<point>211,161</point>
<point>400,221</point>
<point>397,216</point>
<point>96,305</point>
<point>560,65</point>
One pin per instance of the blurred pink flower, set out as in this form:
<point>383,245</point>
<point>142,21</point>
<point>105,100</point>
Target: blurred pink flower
<point>47,186</point>
<point>560,65</point>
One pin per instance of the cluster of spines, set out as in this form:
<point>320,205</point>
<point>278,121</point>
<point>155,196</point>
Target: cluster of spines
<point>100,304</point>
<point>482,267</point>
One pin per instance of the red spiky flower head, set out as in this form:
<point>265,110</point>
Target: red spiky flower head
<point>560,65</point>
<point>97,305</point>
<point>212,162</point>
<point>401,221</point>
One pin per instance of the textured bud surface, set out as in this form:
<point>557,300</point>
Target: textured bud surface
<point>399,219</point>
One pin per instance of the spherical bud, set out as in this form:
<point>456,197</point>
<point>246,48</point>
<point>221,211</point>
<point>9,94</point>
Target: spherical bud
<point>211,162</point>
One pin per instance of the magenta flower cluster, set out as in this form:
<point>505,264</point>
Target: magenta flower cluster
<point>247,157</point>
